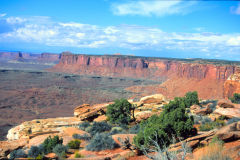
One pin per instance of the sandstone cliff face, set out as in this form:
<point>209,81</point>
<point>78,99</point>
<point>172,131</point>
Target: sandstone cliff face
<point>122,66</point>
<point>232,84</point>
<point>43,57</point>
<point>197,75</point>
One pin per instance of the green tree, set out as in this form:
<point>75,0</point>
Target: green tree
<point>172,122</point>
<point>50,143</point>
<point>191,98</point>
<point>120,112</point>
<point>235,98</point>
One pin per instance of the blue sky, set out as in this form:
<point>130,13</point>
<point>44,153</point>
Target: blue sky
<point>180,29</point>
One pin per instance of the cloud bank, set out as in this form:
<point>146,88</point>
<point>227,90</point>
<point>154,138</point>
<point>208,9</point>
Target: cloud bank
<point>152,7</point>
<point>44,31</point>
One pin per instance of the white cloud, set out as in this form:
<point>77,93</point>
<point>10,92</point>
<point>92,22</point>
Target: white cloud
<point>235,10</point>
<point>47,32</point>
<point>15,20</point>
<point>3,14</point>
<point>234,41</point>
<point>152,7</point>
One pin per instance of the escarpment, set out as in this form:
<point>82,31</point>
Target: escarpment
<point>172,71</point>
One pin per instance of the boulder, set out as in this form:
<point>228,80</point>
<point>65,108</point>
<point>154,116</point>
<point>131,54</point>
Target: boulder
<point>195,108</point>
<point>87,112</point>
<point>143,115</point>
<point>204,111</point>
<point>153,99</point>
<point>224,103</point>
<point>8,146</point>
<point>228,109</point>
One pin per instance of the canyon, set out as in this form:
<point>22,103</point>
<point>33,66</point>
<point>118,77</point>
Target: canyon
<point>177,76</point>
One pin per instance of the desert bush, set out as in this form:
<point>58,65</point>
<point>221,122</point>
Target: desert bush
<point>233,120</point>
<point>163,153</point>
<point>77,155</point>
<point>49,143</point>
<point>35,151</point>
<point>74,144</point>
<point>85,137</point>
<point>172,122</point>
<point>60,150</point>
<point>84,125</point>
<point>99,127</point>
<point>235,98</point>
<point>120,112</point>
<point>198,119</point>
<point>213,151</point>
<point>191,98</point>
<point>211,125</point>
<point>116,130</point>
<point>134,129</point>
<point>101,141</point>
<point>18,154</point>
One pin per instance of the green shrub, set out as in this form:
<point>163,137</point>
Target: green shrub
<point>233,120</point>
<point>198,119</point>
<point>211,125</point>
<point>235,98</point>
<point>85,137</point>
<point>60,150</point>
<point>99,127</point>
<point>77,155</point>
<point>18,154</point>
<point>84,125</point>
<point>206,127</point>
<point>35,151</point>
<point>191,98</point>
<point>74,144</point>
<point>50,143</point>
<point>172,122</point>
<point>120,112</point>
<point>101,141</point>
<point>116,130</point>
<point>134,129</point>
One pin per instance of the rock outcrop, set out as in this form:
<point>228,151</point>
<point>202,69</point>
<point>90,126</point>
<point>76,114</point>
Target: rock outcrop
<point>30,129</point>
<point>228,109</point>
<point>89,113</point>
<point>232,85</point>
<point>228,133</point>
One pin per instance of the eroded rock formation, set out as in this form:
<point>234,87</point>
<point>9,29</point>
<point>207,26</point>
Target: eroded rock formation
<point>180,76</point>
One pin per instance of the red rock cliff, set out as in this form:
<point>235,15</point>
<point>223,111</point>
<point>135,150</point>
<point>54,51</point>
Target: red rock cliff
<point>123,66</point>
<point>206,78</point>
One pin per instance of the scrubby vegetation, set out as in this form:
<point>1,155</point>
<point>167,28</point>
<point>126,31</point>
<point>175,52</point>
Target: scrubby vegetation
<point>191,98</point>
<point>48,146</point>
<point>134,129</point>
<point>36,151</point>
<point>172,122</point>
<point>83,126</point>
<point>85,137</point>
<point>211,125</point>
<point>74,144</point>
<point>18,154</point>
<point>98,127</point>
<point>232,120</point>
<point>50,143</point>
<point>235,98</point>
<point>60,150</point>
<point>213,151</point>
<point>101,141</point>
<point>120,112</point>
